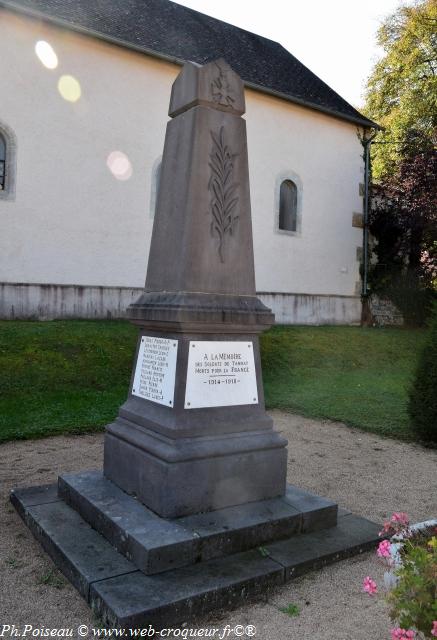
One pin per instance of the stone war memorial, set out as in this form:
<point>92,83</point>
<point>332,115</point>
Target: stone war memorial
<point>191,511</point>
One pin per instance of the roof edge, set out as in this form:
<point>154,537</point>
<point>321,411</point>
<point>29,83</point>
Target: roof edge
<point>364,122</point>
<point>9,4</point>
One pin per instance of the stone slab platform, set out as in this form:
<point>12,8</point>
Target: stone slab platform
<point>156,544</point>
<point>124,596</point>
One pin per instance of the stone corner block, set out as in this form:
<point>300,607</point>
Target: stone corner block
<point>215,84</point>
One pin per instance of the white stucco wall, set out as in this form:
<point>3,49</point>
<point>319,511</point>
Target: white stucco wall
<point>72,222</point>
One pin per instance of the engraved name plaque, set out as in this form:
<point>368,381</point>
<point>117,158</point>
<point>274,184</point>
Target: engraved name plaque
<point>220,374</point>
<point>155,371</point>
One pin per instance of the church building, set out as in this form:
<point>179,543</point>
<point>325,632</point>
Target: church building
<point>83,112</point>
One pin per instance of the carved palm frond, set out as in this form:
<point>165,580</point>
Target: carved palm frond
<point>224,199</point>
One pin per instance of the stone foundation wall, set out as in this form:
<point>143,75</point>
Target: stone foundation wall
<point>304,308</point>
<point>384,312</point>
<point>52,301</point>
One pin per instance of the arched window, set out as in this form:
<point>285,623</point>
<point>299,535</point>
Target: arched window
<point>8,148</point>
<point>2,163</point>
<point>288,206</point>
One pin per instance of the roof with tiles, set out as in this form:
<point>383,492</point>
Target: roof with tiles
<point>171,31</point>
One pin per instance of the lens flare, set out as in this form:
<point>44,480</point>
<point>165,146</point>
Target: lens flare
<point>119,165</point>
<point>46,54</point>
<point>69,88</point>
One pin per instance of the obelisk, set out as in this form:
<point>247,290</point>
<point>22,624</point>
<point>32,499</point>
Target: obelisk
<point>193,435</point>
<point>192,442</point>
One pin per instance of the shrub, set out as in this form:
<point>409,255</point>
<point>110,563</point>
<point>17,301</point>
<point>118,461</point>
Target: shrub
<point>422,406</point>
<point>413,600</point>
<point>411,557</point>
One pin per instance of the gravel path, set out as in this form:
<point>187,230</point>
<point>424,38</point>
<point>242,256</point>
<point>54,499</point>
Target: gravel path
<point>369,475</point>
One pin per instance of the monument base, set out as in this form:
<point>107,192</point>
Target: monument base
<point>196,450</point>
<point>156,544</point>
<point>203,474</point>
<point>137,570</point>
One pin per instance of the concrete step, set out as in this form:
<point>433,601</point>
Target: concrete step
<point>156,544</point>
<point>124,596</point>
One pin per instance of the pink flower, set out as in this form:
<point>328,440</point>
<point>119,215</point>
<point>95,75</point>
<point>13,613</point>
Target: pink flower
<point>400,518</point>
<point>383,550</point>
<point>402,634</point>
<point>434,628</point>
<point>369,586</point>
<point>387,529</point>
<point>398,522</point>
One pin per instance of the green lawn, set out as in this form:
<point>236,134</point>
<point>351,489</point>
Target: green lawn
<point>359,376</point>
<point>71,376</point>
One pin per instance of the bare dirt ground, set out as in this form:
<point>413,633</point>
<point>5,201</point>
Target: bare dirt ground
<point>369,475</point>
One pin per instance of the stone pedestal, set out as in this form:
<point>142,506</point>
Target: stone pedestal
<point>209,444</point>
<point>137,570</point>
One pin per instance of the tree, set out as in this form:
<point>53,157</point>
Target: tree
<point>401,92</point>
<point>403,220</point>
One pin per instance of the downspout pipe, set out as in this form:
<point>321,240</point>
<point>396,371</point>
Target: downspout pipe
<point>367,141</point>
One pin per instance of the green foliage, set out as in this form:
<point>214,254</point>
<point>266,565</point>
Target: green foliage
<point>403,220</point>
<point>422,406</point>
<point>53,578</point>
<point>413,601</point>
<point>402,89</point>
<point>13,563</point>
<point>406,290</point>
<point>402,97</point>
<point>291,610</point>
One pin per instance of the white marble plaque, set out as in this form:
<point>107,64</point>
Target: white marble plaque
<point>156,369</point>
<point>220,374</point>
